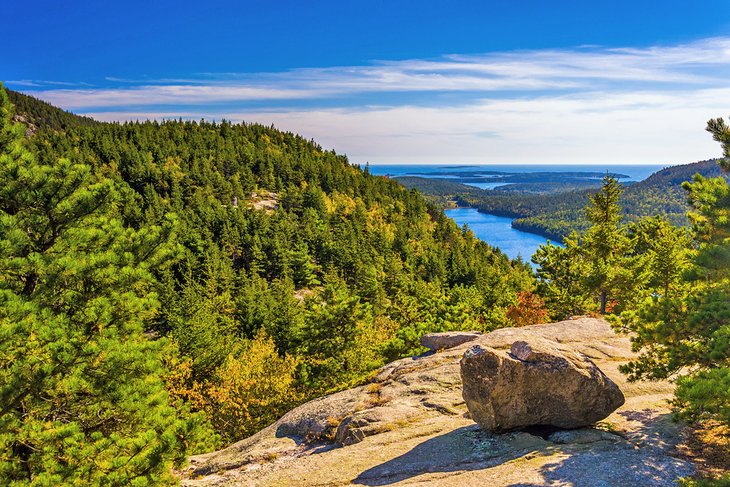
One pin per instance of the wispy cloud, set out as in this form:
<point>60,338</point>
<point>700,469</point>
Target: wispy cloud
<point>38,83</point>
<point>596,127</point>
<point>586,104</point>
<point>166,95</point>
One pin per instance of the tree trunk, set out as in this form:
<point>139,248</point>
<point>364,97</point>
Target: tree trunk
<point>604,297</point>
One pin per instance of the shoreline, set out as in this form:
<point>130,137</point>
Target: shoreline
<point>551,238</point>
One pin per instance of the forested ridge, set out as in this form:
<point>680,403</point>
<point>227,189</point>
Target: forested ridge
<point>35,114</point>
<point>272,271</point>
<point>559,209</point>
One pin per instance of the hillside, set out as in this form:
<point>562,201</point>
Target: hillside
<point>291,265</point>
<point>410,426</point>
<point>557,209</point>
<point>37,114</point>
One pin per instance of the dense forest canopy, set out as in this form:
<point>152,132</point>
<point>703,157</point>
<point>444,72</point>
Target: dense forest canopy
<point>171,286</point>
<point>272,271</point>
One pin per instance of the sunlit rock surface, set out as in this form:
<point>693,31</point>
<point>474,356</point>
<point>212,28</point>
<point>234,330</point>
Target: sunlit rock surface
<point>535,383</point>
<point>411,426</point>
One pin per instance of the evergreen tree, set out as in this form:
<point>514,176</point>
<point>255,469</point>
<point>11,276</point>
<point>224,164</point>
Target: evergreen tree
<point>593,267</point>
<point>684,330</point>
<point>605,244</point>
<point>81,396</point>
<point>560,272</point>
<point>662,252</point>
<point>331,332</point>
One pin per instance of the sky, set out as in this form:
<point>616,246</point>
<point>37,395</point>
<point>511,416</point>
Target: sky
<point>396,82</point>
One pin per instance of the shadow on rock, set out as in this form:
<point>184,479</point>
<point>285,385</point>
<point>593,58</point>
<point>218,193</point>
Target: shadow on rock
<point>619,468</point>
<point>644,459</point>
<point>466,448</point>
<point>581,457</point>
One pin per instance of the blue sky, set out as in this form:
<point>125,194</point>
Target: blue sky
<point>399,81</point>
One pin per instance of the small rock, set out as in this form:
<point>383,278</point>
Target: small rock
<point>535,384</point>
<point>449,339</point>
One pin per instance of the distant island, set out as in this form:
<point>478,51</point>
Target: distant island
<point>480,176</point>
<point>551,204</point>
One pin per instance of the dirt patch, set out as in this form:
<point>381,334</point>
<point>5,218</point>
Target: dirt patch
<point>708,447</point>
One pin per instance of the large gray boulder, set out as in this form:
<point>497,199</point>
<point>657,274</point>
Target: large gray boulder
<point>411,420</point>
<point>448,339</point>
<point>535,383</point>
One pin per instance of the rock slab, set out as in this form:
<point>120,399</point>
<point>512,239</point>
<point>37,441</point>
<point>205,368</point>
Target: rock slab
<point>535,383</point>
<point>414,430</point>
<point>449,339</point>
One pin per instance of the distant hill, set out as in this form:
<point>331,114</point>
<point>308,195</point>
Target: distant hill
<point>556,214</point>
<point>39,115</point>
<point>440,191</point>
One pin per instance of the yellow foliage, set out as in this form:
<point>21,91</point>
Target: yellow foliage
<point>172,168</point>
<point>253,389</point>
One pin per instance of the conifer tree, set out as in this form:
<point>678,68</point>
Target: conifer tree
<point>605,244</point>
<point>560,272</point>
<point>332,327</point>
<point>662,252</point>
<point>684,331</point>
<point>81,398</point>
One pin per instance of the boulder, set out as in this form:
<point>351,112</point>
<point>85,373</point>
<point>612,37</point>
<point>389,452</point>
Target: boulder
<point>535,383</point>
<point>449,339</point>
<point>415,431</point>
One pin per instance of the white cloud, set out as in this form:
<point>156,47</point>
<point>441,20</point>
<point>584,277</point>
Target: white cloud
<point>583,105</point>
<point>164,95</point>
<point>597,127</point>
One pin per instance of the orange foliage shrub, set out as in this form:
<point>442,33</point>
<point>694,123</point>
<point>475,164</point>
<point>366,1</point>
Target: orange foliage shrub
<point>529,310</point>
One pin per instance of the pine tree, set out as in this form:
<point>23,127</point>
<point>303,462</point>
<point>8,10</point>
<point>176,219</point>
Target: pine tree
<point>81,396</point>
<point>662,252</point>
<point>605,244</point>
<point>330,335</point>
<point>684,330</point>
<point>560,272</point>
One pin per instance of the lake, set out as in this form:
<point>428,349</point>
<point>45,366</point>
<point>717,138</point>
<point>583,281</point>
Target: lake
<point>497,231</point>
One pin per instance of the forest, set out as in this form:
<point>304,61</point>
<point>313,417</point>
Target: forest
<point>555,209</point>
<point>251,268</point>
<point>170,287</point>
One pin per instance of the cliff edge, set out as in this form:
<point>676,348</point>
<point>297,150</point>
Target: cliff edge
<point>411,426</point>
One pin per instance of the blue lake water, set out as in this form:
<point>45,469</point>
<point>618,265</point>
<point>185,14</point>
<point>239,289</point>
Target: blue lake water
<point>497,231</point>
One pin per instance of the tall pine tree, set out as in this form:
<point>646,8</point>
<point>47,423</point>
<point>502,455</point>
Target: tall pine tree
<point>684,331</point>
<point>591,268</point>
<point>81,398</point>
<point>605,244</point>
